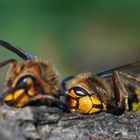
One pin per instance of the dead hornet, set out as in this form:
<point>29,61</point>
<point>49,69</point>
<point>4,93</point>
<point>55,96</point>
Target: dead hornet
<point>29,83</point>
<point>112,91</point>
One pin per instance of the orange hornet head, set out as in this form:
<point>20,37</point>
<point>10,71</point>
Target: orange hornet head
<point>27,80</point>
<point>86,93</point>
<point>30,80</point>
<point>79,99</point>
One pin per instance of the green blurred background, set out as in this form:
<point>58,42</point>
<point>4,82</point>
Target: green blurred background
<point>76,35</point>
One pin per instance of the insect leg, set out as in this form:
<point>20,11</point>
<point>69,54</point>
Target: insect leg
<point>120,92</point>
<point>130,76</point>
<point>48,101</point>
<point>12,61</point>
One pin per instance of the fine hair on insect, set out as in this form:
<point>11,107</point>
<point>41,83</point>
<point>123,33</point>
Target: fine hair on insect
<point>33,82</point>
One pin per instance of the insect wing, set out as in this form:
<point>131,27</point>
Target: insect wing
<point>132,67</point>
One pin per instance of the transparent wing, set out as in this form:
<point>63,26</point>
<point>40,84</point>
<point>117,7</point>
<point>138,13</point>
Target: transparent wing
<point>131,67</point>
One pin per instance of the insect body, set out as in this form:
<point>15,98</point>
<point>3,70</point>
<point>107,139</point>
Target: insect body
<point>90,93</point>
<point>30,82</point>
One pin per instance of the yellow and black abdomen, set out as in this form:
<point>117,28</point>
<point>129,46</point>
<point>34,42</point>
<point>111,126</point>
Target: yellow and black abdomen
<point>134,98</point>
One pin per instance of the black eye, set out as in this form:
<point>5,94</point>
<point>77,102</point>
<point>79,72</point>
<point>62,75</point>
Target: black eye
<point>79,91</point>
<point>25,80</point>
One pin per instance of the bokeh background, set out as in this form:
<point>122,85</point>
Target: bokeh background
<point>76,35</point>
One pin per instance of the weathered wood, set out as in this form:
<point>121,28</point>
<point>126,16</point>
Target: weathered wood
<point>41,123</point>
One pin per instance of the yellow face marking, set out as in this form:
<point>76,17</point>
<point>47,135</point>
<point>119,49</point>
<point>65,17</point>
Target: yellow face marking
<point>95,101</point>
<point>22,101</point>
<point>19,97</point>
<point>31,92</point>
<point>18,93</point>
<point>9,97</point>
<point>85,104</point>
<point>72,102</point>
<point>72,94</point>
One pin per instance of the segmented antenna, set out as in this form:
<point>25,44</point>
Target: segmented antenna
<point>21,53</point>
